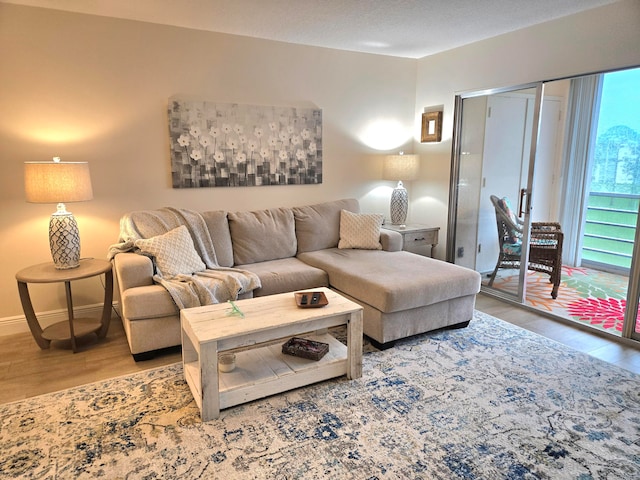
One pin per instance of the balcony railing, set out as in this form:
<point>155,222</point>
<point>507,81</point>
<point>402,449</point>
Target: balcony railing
<point>610,230</point>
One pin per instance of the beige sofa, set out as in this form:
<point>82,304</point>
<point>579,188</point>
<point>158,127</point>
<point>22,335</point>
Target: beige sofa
<point>402,293</point>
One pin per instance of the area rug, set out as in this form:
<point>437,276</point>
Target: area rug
<point>491,401</point>
<point>588,296</point>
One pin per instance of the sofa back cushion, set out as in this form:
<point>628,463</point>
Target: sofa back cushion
<point>216,221</point>
<point>318,226</point>
<point>262,235</point>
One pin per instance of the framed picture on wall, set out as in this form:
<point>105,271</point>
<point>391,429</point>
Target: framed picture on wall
<point>235,145</point>
<point>431,127</point>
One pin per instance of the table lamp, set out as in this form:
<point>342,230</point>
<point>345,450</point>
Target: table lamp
<point>400,167</point>
<point>59,182</point>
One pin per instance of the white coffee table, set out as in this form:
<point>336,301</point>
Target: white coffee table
<point>261,367</point>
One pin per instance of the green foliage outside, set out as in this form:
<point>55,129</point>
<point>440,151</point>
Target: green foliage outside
<point>615,182</point>
<point>613,201</point>
<point>616,167</point>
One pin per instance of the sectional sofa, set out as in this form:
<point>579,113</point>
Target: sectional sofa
<point>329,244</point>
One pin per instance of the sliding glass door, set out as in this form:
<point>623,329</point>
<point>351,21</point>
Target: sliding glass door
<point>561,161</point>
<point>602,191</point>
<point>494,159</point>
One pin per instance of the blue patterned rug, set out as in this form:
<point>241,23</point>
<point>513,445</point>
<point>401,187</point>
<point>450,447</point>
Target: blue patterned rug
<point>491,401</point>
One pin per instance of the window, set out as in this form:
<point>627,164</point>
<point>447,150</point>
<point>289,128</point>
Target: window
<point>614,193</point>
<point>617,151</point>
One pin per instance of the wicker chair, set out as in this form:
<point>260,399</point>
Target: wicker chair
<point>545,244</point>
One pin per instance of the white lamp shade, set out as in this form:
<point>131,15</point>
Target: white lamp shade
<point>400,167</point>
<point>54,182</point>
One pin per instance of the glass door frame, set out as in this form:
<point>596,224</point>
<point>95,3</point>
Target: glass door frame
<point>633,291</point>
<point>526,192</point>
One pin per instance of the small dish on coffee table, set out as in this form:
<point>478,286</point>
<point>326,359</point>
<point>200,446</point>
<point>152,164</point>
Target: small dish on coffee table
<point>311,299</point>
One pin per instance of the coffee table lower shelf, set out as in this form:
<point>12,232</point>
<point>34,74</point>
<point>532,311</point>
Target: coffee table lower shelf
<point>264,371</point>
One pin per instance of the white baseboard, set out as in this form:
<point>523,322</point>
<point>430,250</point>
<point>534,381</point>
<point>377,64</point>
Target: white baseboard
<point>18,324</point>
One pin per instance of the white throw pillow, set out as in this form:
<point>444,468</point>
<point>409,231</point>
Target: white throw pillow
<point>360,230</point>
<point>174,252</point>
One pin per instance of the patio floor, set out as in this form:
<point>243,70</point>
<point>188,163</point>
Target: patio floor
<point>586,295</point>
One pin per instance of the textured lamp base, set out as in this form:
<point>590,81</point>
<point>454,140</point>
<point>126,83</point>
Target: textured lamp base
<point>399,205</point>
<point>64,240</point>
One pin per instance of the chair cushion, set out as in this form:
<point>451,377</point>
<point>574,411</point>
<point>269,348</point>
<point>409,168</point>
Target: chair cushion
<point>505,204</point>
<point>514,235</point>
<point>512,248</point>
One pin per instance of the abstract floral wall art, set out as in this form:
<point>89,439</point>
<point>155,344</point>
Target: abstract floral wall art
<point>235,145</point>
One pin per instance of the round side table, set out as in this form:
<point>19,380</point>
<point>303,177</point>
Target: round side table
<point>73,327</point>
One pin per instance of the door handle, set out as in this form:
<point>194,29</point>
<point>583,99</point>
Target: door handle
<point>522,207</point>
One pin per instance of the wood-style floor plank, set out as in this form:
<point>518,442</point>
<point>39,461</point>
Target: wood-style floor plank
<point>26,370</point>
<point>606,348</point>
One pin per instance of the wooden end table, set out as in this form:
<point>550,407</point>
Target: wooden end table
<point>261,367</point>
<point>73,327</point>
<point>416,236</point>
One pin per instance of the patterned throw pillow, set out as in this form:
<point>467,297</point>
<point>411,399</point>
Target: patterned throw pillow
<point>173,251</point>
<point>505,204</point>
<point>360,230</point>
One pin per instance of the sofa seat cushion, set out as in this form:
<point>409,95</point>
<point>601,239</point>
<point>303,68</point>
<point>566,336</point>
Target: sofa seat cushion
<point>393,281</point>
<point>286,275</point>
<point>149,301</point>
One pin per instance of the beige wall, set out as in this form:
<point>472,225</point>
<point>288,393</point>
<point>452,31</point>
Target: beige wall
<point>595,40</point>
<point>96,89</point>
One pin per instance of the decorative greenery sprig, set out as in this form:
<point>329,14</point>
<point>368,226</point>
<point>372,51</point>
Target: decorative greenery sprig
<point>235,310</point>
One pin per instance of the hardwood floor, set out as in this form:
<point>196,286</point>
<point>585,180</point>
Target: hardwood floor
<point>26,370</point>
<point>578,338</point>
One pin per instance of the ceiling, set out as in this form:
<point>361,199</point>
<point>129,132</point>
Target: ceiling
<point>403,28</point>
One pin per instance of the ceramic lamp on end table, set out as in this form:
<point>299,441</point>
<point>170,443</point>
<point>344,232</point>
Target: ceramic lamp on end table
<point>400,167</point>
<point>60,182</point>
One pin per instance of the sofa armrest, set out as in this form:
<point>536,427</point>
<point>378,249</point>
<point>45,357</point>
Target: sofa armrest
<point>391,241</point>
<point>133,270</point>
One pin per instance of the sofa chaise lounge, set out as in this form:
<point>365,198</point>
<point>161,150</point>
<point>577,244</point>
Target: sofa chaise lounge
<point>402,294</point>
